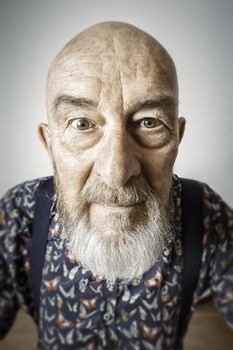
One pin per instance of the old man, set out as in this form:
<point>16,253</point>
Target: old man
<point>103,254</point>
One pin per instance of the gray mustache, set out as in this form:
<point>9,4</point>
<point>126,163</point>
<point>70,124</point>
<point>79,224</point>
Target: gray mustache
<point>127,195</point>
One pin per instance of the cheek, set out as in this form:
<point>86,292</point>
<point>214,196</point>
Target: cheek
<point>73,168</point>
<point>158,168</point>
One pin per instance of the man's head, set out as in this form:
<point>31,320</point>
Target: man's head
<point>113,135</point>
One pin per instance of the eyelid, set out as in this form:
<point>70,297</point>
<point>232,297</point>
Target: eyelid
<point>158,113</point>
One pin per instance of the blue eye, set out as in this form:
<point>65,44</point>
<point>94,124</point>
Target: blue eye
<point>82,124</point>
<point>149,123</point>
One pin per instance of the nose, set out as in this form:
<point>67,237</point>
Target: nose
<point>116,162</point>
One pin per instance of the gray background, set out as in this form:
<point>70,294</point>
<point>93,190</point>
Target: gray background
<point>198,35</point>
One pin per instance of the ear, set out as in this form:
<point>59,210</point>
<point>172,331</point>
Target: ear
<point>181,126</point>
<point>45,137</point>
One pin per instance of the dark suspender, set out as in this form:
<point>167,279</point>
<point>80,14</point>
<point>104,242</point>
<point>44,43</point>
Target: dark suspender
<point>192,242</point>
<point>192,206</point>
<point>43,203</point>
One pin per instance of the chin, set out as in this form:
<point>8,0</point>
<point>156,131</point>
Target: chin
<point>119,246</point>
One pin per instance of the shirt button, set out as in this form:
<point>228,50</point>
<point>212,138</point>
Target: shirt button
<point>108,318</point>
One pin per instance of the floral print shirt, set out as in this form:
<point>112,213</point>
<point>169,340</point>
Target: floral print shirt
<point>79,310</point>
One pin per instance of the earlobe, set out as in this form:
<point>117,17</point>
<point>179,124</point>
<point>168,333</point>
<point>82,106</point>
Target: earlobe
<point>45,137</point>
<point>181,125</point>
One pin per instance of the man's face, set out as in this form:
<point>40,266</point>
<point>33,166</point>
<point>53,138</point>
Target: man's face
<point>113,122</point>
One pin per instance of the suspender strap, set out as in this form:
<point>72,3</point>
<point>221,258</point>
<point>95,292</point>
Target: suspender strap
<point>192,205</point>
<point>43,203</point>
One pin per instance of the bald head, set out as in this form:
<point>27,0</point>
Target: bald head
<point>109,47</point>
<point>113,38</point>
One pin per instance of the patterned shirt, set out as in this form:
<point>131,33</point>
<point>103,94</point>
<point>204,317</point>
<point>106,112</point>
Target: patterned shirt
<point>79,310</point>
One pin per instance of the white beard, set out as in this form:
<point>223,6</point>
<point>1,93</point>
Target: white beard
<point>121,247</point>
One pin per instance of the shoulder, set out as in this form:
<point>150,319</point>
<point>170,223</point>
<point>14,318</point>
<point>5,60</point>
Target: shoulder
<point>210,198</point>
<point>216,208</point>
<point>17,205</point>
<point>217,214</point>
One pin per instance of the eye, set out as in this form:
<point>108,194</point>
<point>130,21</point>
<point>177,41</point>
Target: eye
<point>82,124</point>
<point>149,123</point>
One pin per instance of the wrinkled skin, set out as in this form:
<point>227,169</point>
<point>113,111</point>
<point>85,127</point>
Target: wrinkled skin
<point>123,83</point>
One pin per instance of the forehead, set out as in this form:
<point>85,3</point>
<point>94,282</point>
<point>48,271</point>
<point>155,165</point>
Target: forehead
<point>113,75</point>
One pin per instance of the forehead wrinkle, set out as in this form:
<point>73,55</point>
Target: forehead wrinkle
<point>111,94</point>
<point>117,64</point>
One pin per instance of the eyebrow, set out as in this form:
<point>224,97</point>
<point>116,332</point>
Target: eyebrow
<point>75,101</point>
<point>154,102</point>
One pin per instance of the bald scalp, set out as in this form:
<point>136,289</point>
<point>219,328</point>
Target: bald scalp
<point>121,41</point>
<point>104,38</point>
